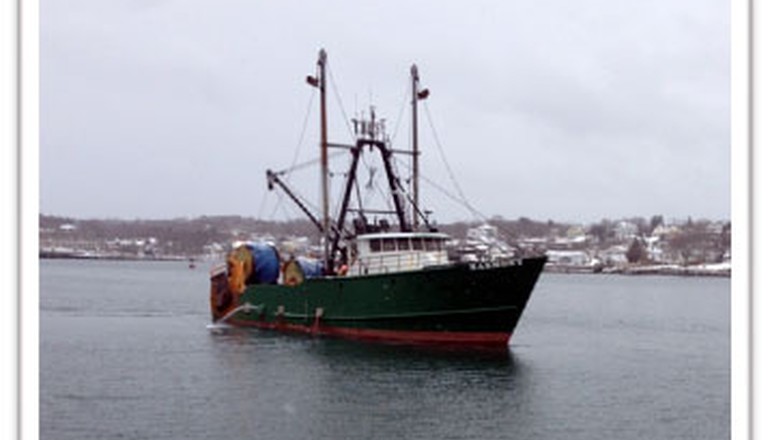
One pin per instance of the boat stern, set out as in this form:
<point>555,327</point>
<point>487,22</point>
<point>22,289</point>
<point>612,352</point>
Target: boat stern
<point>221,298</point>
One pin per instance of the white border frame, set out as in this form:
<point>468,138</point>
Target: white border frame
<point>9,224</point>
<point>739,283</point>
<point>759,160</point>
<point>745,324</point>
<point>29,367</point>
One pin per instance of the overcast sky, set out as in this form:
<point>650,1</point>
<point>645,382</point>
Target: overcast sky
<point>563,110</point>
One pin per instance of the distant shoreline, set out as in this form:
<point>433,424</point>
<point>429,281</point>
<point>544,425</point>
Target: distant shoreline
<point>62,256</point>
<point>671,270</point>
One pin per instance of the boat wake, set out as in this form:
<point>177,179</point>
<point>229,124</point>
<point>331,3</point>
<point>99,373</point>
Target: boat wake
<point>221,323</point>
<point>216,327</point>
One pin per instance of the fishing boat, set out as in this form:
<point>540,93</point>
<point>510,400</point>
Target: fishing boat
<point>376,279</point>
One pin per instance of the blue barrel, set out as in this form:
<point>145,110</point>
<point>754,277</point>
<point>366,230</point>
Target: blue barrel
<point>267,263</point>
<point>311,267</point>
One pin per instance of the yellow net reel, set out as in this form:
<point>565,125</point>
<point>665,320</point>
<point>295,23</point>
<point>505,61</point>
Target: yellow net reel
<point>240,264</point>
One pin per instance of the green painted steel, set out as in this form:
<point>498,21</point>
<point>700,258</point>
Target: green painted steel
<point>461,298</point>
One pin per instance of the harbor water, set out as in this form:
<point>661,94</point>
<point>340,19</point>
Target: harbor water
<point>127,352</point>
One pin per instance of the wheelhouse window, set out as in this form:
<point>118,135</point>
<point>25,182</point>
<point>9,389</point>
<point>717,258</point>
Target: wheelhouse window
<point>431,244</point>
<point>403,244</point>
<point>417,243</point>
<point>388,244</point>
<point>375,245</point>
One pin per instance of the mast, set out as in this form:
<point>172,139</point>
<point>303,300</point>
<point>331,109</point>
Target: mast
<point>319,81</point>
<point>370,133</point>
<point>417,95</point>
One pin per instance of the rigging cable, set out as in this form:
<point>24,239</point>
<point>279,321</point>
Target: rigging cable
<point>400,113</point>
<point>262,203</point>
<point>288,171</point>
<point>307,163</point>
<point>479,216</point>
<point>363,158</point>
<point>347,120</point>
<point>301,135</point>
<point>339,102</point>
<point>408,197</point>
<point>461,201</point>
<point>443,157</point>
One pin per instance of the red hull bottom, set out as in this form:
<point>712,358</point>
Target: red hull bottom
<point>400,336</point>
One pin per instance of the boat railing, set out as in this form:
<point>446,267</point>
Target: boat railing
<point>397,262</point>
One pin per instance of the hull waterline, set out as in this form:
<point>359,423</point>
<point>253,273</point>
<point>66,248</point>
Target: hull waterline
<point>458,304</point>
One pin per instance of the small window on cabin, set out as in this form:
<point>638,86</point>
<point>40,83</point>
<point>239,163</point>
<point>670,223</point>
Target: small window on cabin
<point>417,244</point>
<point>388,244</point>
<point>403,244</point>
<point>430,245</point>
<point>439,245</point>
<point>375,245</point>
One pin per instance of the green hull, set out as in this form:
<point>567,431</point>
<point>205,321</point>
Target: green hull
<point>458,303</point>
